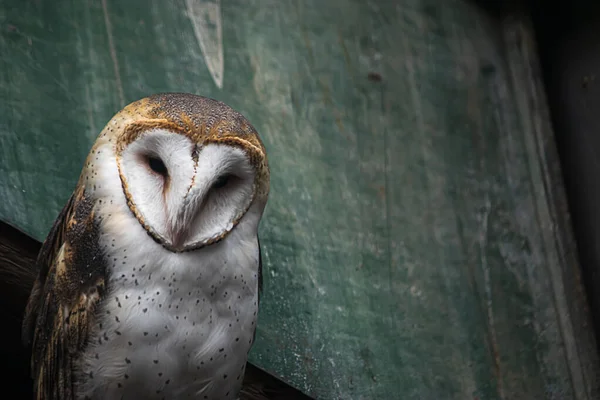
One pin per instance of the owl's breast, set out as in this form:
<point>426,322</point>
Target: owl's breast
<point>173,327</point>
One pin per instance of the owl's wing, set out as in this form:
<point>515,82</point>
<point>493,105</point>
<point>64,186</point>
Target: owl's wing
<point>61,306</point>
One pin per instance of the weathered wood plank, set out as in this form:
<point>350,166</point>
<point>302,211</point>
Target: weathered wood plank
<point>413,242</point>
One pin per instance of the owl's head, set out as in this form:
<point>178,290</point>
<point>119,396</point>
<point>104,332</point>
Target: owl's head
<point>190,168</point>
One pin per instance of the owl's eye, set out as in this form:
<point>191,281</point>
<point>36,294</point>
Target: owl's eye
<point>158,166</point>
<point>221,181</point>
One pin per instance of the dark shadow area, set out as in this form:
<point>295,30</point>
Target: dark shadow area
<point>568,36</point>
<point>17,257</point>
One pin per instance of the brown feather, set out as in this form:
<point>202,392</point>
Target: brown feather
<point>62,304</point>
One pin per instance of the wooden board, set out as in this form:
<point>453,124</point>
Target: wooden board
<point>416,244</point>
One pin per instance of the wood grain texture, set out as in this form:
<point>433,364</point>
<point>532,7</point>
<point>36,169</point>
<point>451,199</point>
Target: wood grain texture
<point>414,244</point>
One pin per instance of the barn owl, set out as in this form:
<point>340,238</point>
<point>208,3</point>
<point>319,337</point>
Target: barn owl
<point>149,279</point>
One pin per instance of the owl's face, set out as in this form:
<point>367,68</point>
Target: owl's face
<point>188,179</point>
<point>185,194</point>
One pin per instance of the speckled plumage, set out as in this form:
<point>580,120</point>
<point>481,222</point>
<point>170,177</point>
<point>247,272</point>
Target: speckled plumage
<point>146,293</point>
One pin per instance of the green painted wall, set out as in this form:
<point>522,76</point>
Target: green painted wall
<point>412,245</point>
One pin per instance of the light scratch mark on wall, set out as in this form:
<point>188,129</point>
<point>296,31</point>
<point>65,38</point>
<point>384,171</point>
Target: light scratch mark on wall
<point>113,53</point>
<point>206,20</point>
<point>483,243</point>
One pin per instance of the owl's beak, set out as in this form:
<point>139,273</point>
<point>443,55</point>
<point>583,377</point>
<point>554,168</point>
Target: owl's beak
<point>189,208</point>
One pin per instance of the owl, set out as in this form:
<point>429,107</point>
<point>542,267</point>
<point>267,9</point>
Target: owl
<point>148,283</point>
